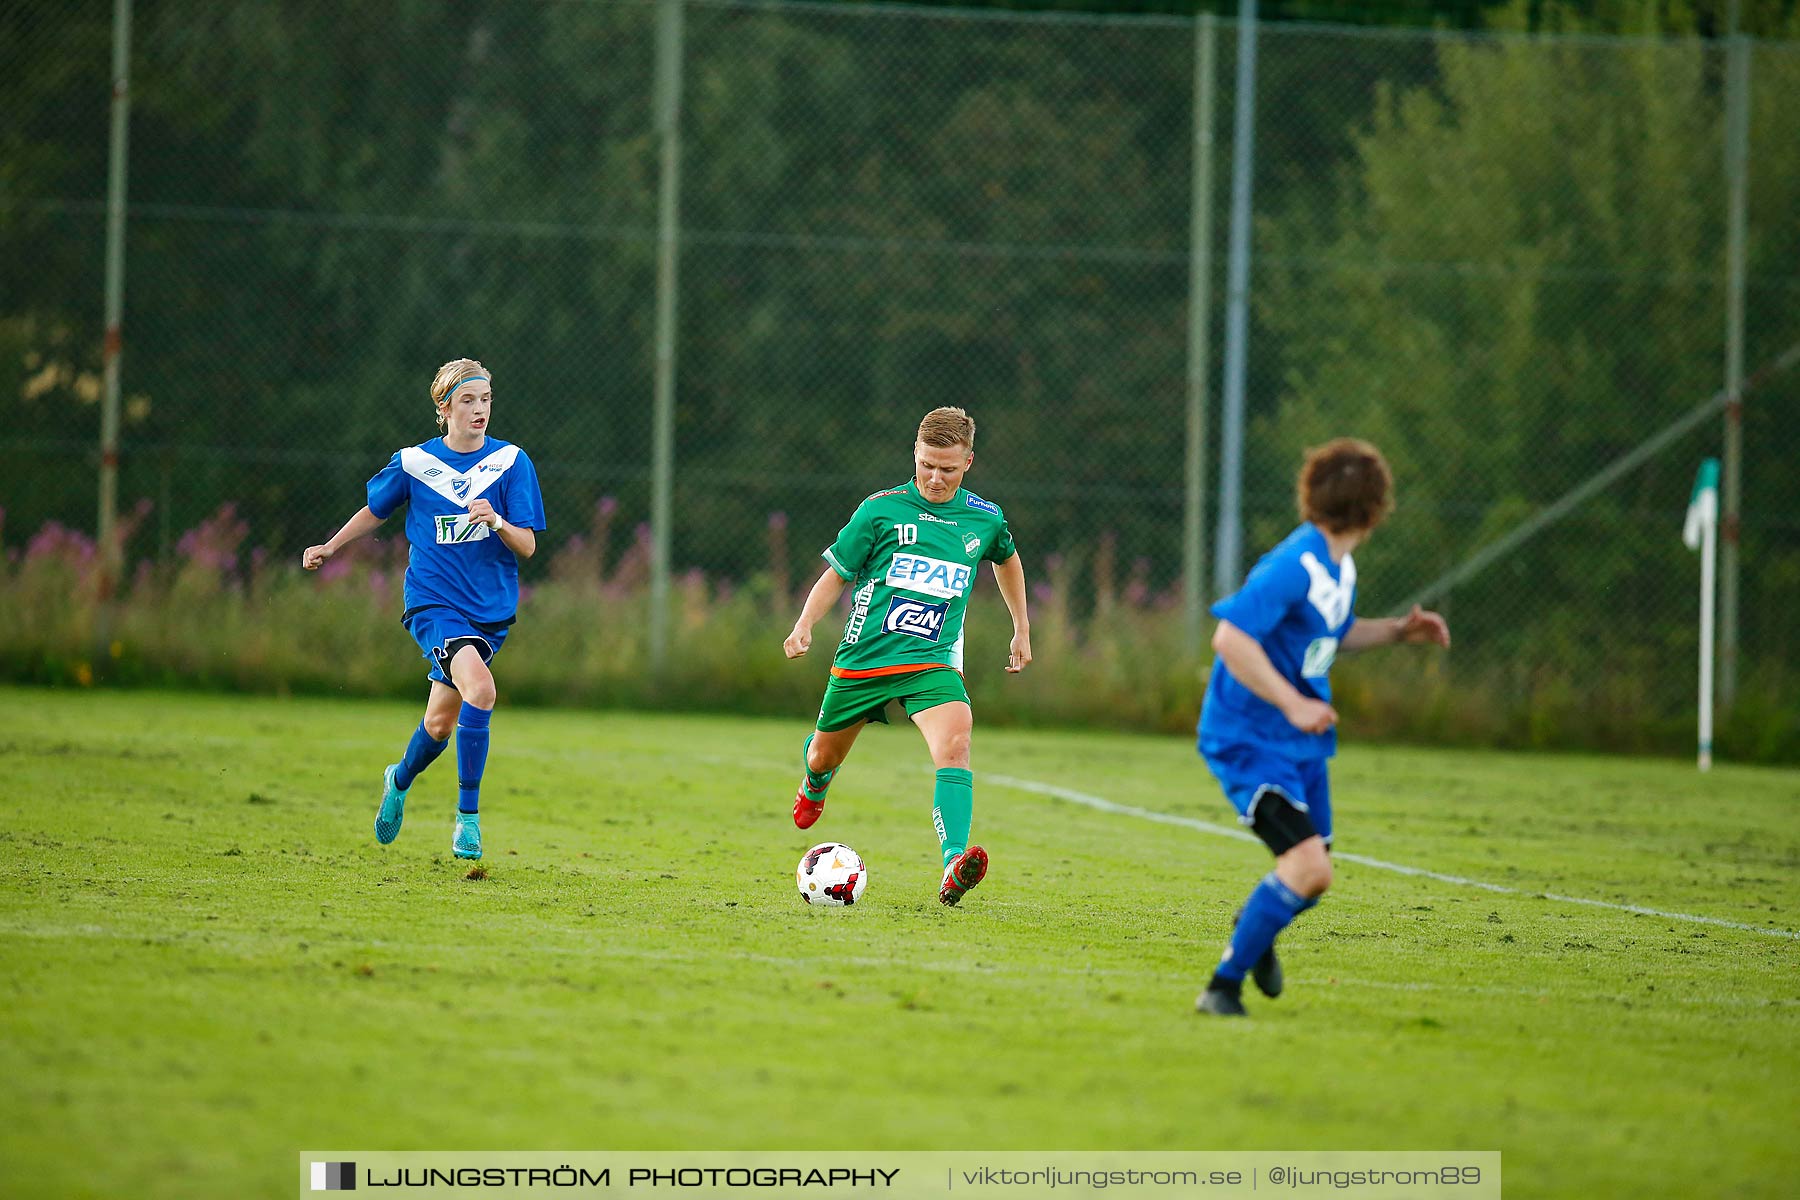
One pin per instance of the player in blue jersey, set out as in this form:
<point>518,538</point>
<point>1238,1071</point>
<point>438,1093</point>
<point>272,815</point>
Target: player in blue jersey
<point>1267,726</point>
<point>473,509</point>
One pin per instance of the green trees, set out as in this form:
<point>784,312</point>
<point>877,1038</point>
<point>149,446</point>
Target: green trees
<point>1500,258</point>
<point>1522,278</point>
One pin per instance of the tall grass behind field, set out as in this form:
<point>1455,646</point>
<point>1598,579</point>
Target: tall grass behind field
<point>1110,649</point>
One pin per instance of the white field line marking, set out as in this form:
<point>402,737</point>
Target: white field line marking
<point>1104,805</point>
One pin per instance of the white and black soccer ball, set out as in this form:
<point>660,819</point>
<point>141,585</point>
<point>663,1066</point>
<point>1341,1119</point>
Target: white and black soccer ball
<point>831,874</point>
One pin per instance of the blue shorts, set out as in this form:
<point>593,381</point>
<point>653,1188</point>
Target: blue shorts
<point>1247,773</point>
<point>435,627</point>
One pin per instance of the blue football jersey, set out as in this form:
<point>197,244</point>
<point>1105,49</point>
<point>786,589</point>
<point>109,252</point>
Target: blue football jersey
<point>1298,605</point>
<point>455,562</point>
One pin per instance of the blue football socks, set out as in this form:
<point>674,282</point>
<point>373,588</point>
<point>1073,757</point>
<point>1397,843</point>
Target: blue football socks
<point>471,755</point>
<point>421,752</point>
<point>1272,905</point>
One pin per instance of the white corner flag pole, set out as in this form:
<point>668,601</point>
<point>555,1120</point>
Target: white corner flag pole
<point>1701,532</point>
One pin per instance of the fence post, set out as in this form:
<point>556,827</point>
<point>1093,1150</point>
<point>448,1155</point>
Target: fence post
<point>1737,163</point>
<point>668,247</point>
<point>106,527</point>
<point>1193,522</point>
<point>1228,547</point>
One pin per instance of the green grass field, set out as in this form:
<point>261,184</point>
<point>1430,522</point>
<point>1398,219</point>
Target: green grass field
<point>210,964</point>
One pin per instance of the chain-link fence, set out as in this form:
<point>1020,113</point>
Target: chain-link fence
<point>1501,258</point>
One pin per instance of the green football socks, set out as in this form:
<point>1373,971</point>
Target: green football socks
<point>816,781</point>
<point>953,808</point>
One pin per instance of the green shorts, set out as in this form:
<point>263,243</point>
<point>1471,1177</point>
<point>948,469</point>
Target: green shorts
<point>848,701</point>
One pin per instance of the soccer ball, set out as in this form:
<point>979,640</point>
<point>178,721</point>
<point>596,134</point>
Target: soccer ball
<point>831,874</point>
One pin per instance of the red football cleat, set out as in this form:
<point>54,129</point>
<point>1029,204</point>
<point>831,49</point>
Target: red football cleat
<point>964,872</point>
<point>806,811</point>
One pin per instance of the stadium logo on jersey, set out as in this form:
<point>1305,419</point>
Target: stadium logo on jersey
<point>930,576</point>
<point>972,545</point>
<point>453,528</point>
<point>925,516</point>
<point>1331,597</point>
<point>915,618</point>
<point>984,505</point>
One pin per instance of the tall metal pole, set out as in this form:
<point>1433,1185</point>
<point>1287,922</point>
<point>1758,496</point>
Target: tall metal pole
<point>669,15</point>
<point>1193,537</point>
<point>108,523</point>
<point>1737,164</point>
<point>1228,548</point>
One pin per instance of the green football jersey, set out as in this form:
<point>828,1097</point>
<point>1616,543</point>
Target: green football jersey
<point>912,564</point>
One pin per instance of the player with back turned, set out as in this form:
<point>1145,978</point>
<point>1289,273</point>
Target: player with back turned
<point>1267,728</point>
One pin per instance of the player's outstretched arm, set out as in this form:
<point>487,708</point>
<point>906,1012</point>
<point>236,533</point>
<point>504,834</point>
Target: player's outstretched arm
<point>1419,627</point>
<point>1249,664</point>
<point>364,522</point>
<point>1010,575</point>
<point>824,594</point>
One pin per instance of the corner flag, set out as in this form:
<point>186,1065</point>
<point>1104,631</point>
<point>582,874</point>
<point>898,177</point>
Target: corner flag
<point>1700,532</point>
<point>1703,505</point>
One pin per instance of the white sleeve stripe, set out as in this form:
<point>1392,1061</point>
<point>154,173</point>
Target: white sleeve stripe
<point>837,566</point>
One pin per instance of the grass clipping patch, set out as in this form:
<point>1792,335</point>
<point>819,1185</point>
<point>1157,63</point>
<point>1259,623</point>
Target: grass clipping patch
<point>476,872</point>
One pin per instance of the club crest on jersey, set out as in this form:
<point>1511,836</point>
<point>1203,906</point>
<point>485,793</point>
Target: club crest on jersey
<point>930,576</point>
<point>915,618</point>
<point>461,487</point>
<point>972,545</point>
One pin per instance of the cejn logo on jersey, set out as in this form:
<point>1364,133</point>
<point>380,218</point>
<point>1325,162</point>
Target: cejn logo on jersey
<point>928,576</point>
<point>915,618</point>
<point>453,528</point>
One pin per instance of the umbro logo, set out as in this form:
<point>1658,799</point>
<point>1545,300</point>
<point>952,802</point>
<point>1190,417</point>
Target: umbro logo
<point>432,473</point>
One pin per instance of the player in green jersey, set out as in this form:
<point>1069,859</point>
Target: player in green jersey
<point>910,552</point>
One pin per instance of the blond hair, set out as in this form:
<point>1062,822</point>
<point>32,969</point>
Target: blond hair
<point>947,427</point>
<point>449,377</point>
